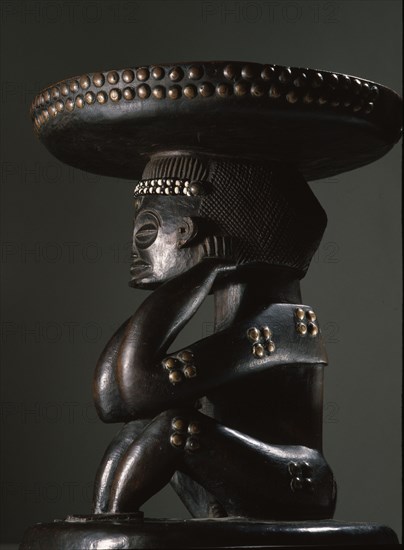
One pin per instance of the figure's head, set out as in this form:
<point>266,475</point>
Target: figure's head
<point>190,207</point>
<point>168,238</point>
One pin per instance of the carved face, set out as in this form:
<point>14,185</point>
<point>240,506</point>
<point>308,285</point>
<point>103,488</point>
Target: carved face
<point>164,239</point>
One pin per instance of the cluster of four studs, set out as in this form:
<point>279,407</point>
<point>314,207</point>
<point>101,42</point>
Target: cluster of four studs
<point>180,367</point>
<point>300,473</point>
<point>262,341</point>
<point>185,434</point>
<point>306,322</point>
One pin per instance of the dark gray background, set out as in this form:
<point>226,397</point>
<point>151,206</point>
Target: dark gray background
<point>65,244</point>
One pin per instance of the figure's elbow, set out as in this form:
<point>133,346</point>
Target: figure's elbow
<point>141,391</point>
<point>108,402</point>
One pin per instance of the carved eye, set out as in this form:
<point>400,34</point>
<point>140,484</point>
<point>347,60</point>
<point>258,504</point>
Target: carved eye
<point>148,230</point>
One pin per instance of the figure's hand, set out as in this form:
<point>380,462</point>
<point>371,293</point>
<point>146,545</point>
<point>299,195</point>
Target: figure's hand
<point>220,266</point>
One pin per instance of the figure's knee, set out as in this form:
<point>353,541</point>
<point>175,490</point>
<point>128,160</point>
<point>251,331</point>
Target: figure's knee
<point>153,457</point>
<point>182,428</point>
<point>312,487</point>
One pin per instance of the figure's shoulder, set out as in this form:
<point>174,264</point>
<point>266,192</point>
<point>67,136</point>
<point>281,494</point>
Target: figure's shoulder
<point>286,332</point>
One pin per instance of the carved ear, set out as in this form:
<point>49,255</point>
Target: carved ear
<point>187,231</point>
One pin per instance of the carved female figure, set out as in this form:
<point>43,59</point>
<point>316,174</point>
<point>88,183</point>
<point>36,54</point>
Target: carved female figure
<point>250,395</point>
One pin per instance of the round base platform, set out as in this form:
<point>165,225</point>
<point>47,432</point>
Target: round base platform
<point>131,532</point>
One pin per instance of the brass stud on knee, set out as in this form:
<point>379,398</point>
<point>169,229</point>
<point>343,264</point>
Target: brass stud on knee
<point>192,444</point>
<point>181,427</point>
<point>175,377</point>
<point>194,428</point>
<point>190,371</point>
<point>300,473</point>
<point>179,424</point>
<point>177,440</point>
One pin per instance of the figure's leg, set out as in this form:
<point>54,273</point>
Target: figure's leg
<point>197,500</point>
<point>292,482</point>
<point>112,456</point>
<point>254,479</point>
<point>147,466</point>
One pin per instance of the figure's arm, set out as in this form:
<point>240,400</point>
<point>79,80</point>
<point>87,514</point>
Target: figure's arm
<point>125,378</point>
<point>151,381</point>
<point>150,332</point>
<point>146,380</point>
<point>110,407</point>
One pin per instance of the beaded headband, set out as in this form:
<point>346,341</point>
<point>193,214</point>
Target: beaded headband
<point>169,186</point>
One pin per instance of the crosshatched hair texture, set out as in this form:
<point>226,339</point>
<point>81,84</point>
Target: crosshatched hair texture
<point>268,209</point>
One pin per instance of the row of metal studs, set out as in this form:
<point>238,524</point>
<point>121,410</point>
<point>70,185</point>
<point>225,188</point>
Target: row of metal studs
<point>168,186</point>
<point>115,95</point>
<point>286,75</point>
<point>315,81</point>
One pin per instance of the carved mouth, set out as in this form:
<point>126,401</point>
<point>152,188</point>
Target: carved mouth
<point>138,267</point>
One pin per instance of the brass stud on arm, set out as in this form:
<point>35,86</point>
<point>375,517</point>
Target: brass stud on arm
<point>299,313</point>
<point>301,328</point>
<point>311,316</point>
<point>258,350</point>
<point>271,346</point>
<point>266,332</point>
<point>253,334</point>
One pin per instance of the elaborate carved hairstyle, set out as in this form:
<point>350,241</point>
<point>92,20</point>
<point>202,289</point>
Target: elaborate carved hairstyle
<point>268,210</point>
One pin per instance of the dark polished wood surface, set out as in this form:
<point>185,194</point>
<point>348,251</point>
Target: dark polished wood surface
<point>221,151</point>
<point>324,123</point>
